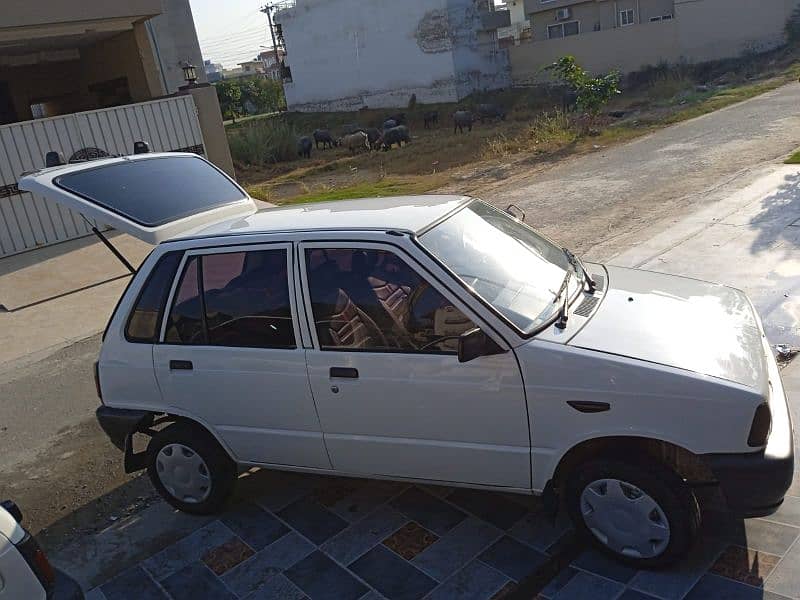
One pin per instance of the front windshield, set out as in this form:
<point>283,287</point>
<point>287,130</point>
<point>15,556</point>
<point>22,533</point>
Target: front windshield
<point>506,262</point>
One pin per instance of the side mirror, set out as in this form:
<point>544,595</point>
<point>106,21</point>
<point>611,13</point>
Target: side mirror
<point>474,343</point>
<point>516,212</point>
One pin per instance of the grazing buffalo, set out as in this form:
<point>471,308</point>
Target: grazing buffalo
<point>430,118</point>
<point>351,128</point>
<point>395,135</point>
<point>304,146</point>
<point>569,101</point>
<point>462,119</point>
<point>373,135</point>
<point>491,111</point>
<point>355,142</point>
<point>324,137</point>
<point>389,124</point>
<point>399,118</point>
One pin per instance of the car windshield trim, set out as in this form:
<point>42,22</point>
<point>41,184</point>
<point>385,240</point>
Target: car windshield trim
<point>523,333</point>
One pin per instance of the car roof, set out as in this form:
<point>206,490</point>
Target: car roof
<point>401,213</point>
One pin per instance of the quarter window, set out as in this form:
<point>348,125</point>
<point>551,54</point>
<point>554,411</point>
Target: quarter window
<point>365,299</point>
<point>235,299</point>
<point>146,316</point>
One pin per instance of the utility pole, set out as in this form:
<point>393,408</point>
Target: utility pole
<point>267,9</point>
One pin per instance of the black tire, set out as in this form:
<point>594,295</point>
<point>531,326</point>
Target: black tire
<point>674,497</point>
<point>220,468</point>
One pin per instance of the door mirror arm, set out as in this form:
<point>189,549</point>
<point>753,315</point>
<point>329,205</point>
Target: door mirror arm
<point>475,343</point>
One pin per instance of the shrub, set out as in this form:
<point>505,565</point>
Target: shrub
<point>593,92</point>
<point>263,141</point>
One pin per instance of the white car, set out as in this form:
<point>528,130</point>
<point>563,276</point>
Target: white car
<point>24,569</point>
<point>429,339</point>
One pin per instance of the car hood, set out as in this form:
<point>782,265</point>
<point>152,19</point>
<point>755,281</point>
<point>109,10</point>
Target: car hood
<point>684,323</point>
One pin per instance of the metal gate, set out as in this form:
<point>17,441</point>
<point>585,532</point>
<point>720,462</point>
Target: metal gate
<point>28,221</point>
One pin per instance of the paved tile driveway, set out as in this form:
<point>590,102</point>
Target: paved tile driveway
<point>318,537</point>
<point>321,537</point>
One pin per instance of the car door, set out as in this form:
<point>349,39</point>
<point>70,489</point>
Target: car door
<point>392,397</point>
<point>229,355</point>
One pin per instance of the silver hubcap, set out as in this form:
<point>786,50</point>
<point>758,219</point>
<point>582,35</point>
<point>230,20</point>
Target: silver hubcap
<point>183,473</point>
<point>624,518</point>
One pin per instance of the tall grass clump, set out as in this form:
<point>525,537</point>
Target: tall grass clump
<point>547,132</point>
<point>263,142</point>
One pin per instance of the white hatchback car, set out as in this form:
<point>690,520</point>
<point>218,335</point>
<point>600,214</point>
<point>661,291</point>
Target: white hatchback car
<point>430,339</point>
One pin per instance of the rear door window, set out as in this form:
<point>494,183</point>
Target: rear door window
<point>234,299</point>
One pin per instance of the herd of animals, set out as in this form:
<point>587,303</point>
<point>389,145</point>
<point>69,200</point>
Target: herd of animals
<point>394,131</point>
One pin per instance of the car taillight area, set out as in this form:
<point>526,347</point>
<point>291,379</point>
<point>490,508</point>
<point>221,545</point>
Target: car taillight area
<point>97,380</point>
<point>762,424</point>
<point>37,560</point>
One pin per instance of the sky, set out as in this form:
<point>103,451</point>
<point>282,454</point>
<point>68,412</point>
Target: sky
<point>231,32</point>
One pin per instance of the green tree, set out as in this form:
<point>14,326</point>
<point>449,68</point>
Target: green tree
<point>793,27</point>
<point>593,92</point>
<point>229,94</point>
<point>266,95</point>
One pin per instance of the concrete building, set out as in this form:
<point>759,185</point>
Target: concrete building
<point>213,71</point>
<point>272,60</point>
<point>631,34</point>
<point>347,54</point>
<point>88,79</point>
<point>520,28</point>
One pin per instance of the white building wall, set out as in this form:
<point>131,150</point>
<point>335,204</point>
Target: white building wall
<point>347,54</point>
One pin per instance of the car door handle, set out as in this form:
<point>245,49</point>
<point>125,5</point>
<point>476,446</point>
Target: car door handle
<point>180,365</point>
<point>589,407</point>
<point>344,372</point>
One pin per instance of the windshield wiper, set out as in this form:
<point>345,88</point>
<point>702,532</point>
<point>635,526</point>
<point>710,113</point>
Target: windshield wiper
<point>577,264</point>
<point>561,322</point>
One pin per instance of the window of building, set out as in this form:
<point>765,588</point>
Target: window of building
<point>627,17</point>
<point>561,30</point>
<point>365,299</point>
<point>234,299</point>
<point>661,18</point>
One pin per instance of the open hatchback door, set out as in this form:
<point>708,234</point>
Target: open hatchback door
<point>153,197</point>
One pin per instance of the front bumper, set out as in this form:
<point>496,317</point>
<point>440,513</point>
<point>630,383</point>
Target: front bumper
<point>755,484</point>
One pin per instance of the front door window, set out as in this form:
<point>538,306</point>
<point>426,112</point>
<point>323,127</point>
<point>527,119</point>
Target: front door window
<point>367,299</point>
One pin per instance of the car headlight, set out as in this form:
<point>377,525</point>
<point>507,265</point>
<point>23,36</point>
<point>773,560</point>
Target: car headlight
<point>759,430</point>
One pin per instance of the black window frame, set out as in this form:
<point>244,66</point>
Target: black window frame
<point>178,281</point>
<point>163,304</point>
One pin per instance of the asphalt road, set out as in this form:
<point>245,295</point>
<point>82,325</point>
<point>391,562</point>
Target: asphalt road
<point>598,204</point>
<point>602,203</point>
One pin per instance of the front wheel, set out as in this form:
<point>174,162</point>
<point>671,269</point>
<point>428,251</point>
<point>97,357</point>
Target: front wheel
<point>190,469</point>
<point>642,514</point>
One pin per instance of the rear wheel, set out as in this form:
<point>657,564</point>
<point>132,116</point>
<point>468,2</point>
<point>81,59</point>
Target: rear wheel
<point>190,469</point>
<point>642,514</point>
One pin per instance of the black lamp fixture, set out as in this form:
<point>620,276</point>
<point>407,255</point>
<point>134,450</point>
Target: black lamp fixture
<point>189,73</point>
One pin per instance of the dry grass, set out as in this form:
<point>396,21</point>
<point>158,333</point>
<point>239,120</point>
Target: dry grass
<point>549,131</point>
<point>535,131</point>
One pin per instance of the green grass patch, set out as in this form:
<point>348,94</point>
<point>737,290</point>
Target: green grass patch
<point>389,186</point>
<point>794,159</point>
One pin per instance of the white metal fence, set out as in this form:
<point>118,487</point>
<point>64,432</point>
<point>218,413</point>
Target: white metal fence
<point>28,221</point>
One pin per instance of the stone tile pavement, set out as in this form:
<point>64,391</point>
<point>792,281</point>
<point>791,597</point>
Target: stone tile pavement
<point>301,536</point>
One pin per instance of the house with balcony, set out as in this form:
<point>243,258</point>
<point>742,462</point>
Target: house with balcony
<point>628,35</point>
<point>348,54</point>
<point>88,79</point>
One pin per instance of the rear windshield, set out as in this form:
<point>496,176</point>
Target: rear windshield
<point>155,191</point>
